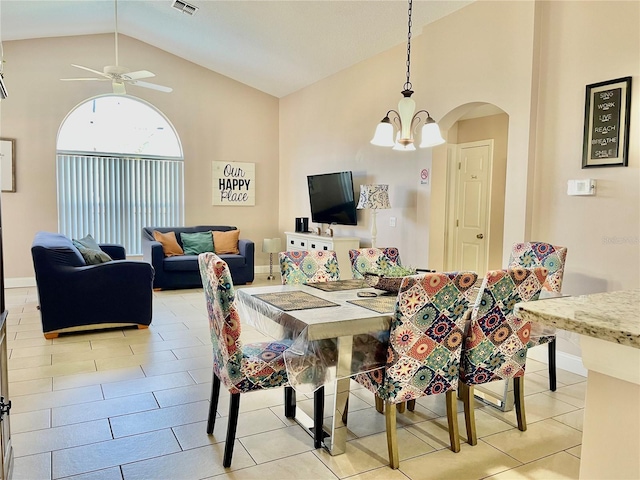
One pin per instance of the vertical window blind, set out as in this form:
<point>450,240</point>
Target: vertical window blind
<point>113,197</point>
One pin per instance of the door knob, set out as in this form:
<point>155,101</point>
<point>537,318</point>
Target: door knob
<point>480,236</point>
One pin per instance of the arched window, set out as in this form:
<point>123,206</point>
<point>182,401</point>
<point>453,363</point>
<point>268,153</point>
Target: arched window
<point>119,168</point>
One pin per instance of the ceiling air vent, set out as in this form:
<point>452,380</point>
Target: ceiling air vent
<point>184,7</point>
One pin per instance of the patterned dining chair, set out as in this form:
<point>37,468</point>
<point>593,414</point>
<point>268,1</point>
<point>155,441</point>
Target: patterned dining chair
<point>495,344</point>
<point>371,259</point>
<point>308,266</point>
<point>240,368</point>
<point>425,343</point>
<point>552,257</point>
<point>302,267</point>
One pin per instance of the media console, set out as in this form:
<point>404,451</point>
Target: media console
<point>340,245</point>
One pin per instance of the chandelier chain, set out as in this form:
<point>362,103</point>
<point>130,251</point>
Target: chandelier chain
<point>407,86</point>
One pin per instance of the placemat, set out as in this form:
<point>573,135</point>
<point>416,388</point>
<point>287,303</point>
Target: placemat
<point>379,304</point>
<point>339,285</point>
<point>294,300</point>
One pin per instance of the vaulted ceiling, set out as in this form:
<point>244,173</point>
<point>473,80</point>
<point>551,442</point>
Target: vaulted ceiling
<point>275,46</point>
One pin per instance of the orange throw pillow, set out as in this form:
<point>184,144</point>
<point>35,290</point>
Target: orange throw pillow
<point>170,245</point>
<point>226,242</point>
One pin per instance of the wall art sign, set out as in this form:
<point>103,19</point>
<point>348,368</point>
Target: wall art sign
<point>424,176</point>
<point>606,124</point>
<point>8,164</point>
<point>234,183</point>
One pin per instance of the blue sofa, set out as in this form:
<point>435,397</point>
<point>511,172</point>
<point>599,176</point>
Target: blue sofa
<point>75,296</point>
<point>182,271</point>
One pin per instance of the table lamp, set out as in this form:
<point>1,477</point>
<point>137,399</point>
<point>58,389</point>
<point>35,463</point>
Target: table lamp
<point>374,197</point>
<point>271,246</point>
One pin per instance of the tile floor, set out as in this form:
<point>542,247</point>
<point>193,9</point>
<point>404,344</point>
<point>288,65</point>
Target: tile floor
<point>132,404</point>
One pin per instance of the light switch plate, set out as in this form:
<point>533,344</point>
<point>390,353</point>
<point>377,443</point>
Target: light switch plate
<point>581,187</point>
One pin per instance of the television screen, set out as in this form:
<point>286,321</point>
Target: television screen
<point>331,197</point>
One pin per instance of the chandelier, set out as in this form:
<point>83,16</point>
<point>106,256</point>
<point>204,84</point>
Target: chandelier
<point>405,119</point>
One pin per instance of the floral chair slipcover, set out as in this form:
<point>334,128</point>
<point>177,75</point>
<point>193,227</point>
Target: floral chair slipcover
<point>240,368</point>
<point>423,357</point>
<point>496,342</point>
<point>307,364</point>
<point>302,266</point>
<point>552,257</point>
<point>370,259</point>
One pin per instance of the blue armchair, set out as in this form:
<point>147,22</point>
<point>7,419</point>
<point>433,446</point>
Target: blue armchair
<point>75,296</point>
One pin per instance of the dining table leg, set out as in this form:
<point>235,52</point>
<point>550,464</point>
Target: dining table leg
<point>337,442</point>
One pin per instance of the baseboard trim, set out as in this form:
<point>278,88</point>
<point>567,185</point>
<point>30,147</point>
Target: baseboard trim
<point>20,282</point>
<point>565,361</point>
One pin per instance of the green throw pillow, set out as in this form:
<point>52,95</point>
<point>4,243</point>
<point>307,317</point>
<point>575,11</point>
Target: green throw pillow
<point>197,243</point>
<point>88,242</point>
<point>90,250</point>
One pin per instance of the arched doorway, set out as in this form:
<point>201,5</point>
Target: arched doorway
<point>476,133</point>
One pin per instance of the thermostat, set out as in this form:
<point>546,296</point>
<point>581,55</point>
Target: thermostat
<point>581,187</point>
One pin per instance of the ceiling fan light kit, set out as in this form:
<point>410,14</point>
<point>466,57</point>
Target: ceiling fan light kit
<point>118,74</point>
<point>405,119</point>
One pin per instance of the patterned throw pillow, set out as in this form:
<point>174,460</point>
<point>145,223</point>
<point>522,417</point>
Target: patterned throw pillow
<point>226,242</point>
<point>170,245</point>
<point>90,250</point>
<point>197,243</point>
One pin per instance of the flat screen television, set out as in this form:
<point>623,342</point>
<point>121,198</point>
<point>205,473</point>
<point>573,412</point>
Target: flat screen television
<point>331,198</point>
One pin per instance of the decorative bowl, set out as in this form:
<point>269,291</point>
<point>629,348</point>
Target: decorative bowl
<point>388,284</point>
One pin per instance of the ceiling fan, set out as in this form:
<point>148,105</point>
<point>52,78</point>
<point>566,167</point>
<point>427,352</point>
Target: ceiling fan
<point>119,75</point>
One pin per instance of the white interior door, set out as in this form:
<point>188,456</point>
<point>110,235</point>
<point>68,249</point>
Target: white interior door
<point>473,187</point>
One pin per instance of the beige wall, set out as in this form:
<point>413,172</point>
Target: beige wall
<point>601,232</point>
<point>476,55</point>
<point>486,54</point>
<point>532,60</point>
<point>327,128</point>
<point>216,118</point>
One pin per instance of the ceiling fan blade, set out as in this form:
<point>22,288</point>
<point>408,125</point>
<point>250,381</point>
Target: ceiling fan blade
<point>138,75</point>
<point>97,72</point>
<point>152,86</point>
<point>118,88</point>
<point>84,79</point>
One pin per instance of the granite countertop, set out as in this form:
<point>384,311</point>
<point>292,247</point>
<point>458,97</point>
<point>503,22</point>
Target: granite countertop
<point>610,316</point>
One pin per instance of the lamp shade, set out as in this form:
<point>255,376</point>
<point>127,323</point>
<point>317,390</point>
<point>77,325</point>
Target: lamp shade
<point>431,135</point>
<point>271,245</point>
<point>384,134</point>
<point>375,197</point>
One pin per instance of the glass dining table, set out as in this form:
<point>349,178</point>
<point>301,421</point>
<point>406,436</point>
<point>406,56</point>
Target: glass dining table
<point>338,329</point>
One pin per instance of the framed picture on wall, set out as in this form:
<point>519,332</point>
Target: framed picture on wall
<point>606,124</point>
<point>8,164</point>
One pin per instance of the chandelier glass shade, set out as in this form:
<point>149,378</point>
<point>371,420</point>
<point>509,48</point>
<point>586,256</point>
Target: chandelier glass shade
<point>397,128</point>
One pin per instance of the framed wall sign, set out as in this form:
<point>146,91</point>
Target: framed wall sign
<point>234,183</point>
<point>8,164</point>
<point>606,124</point>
